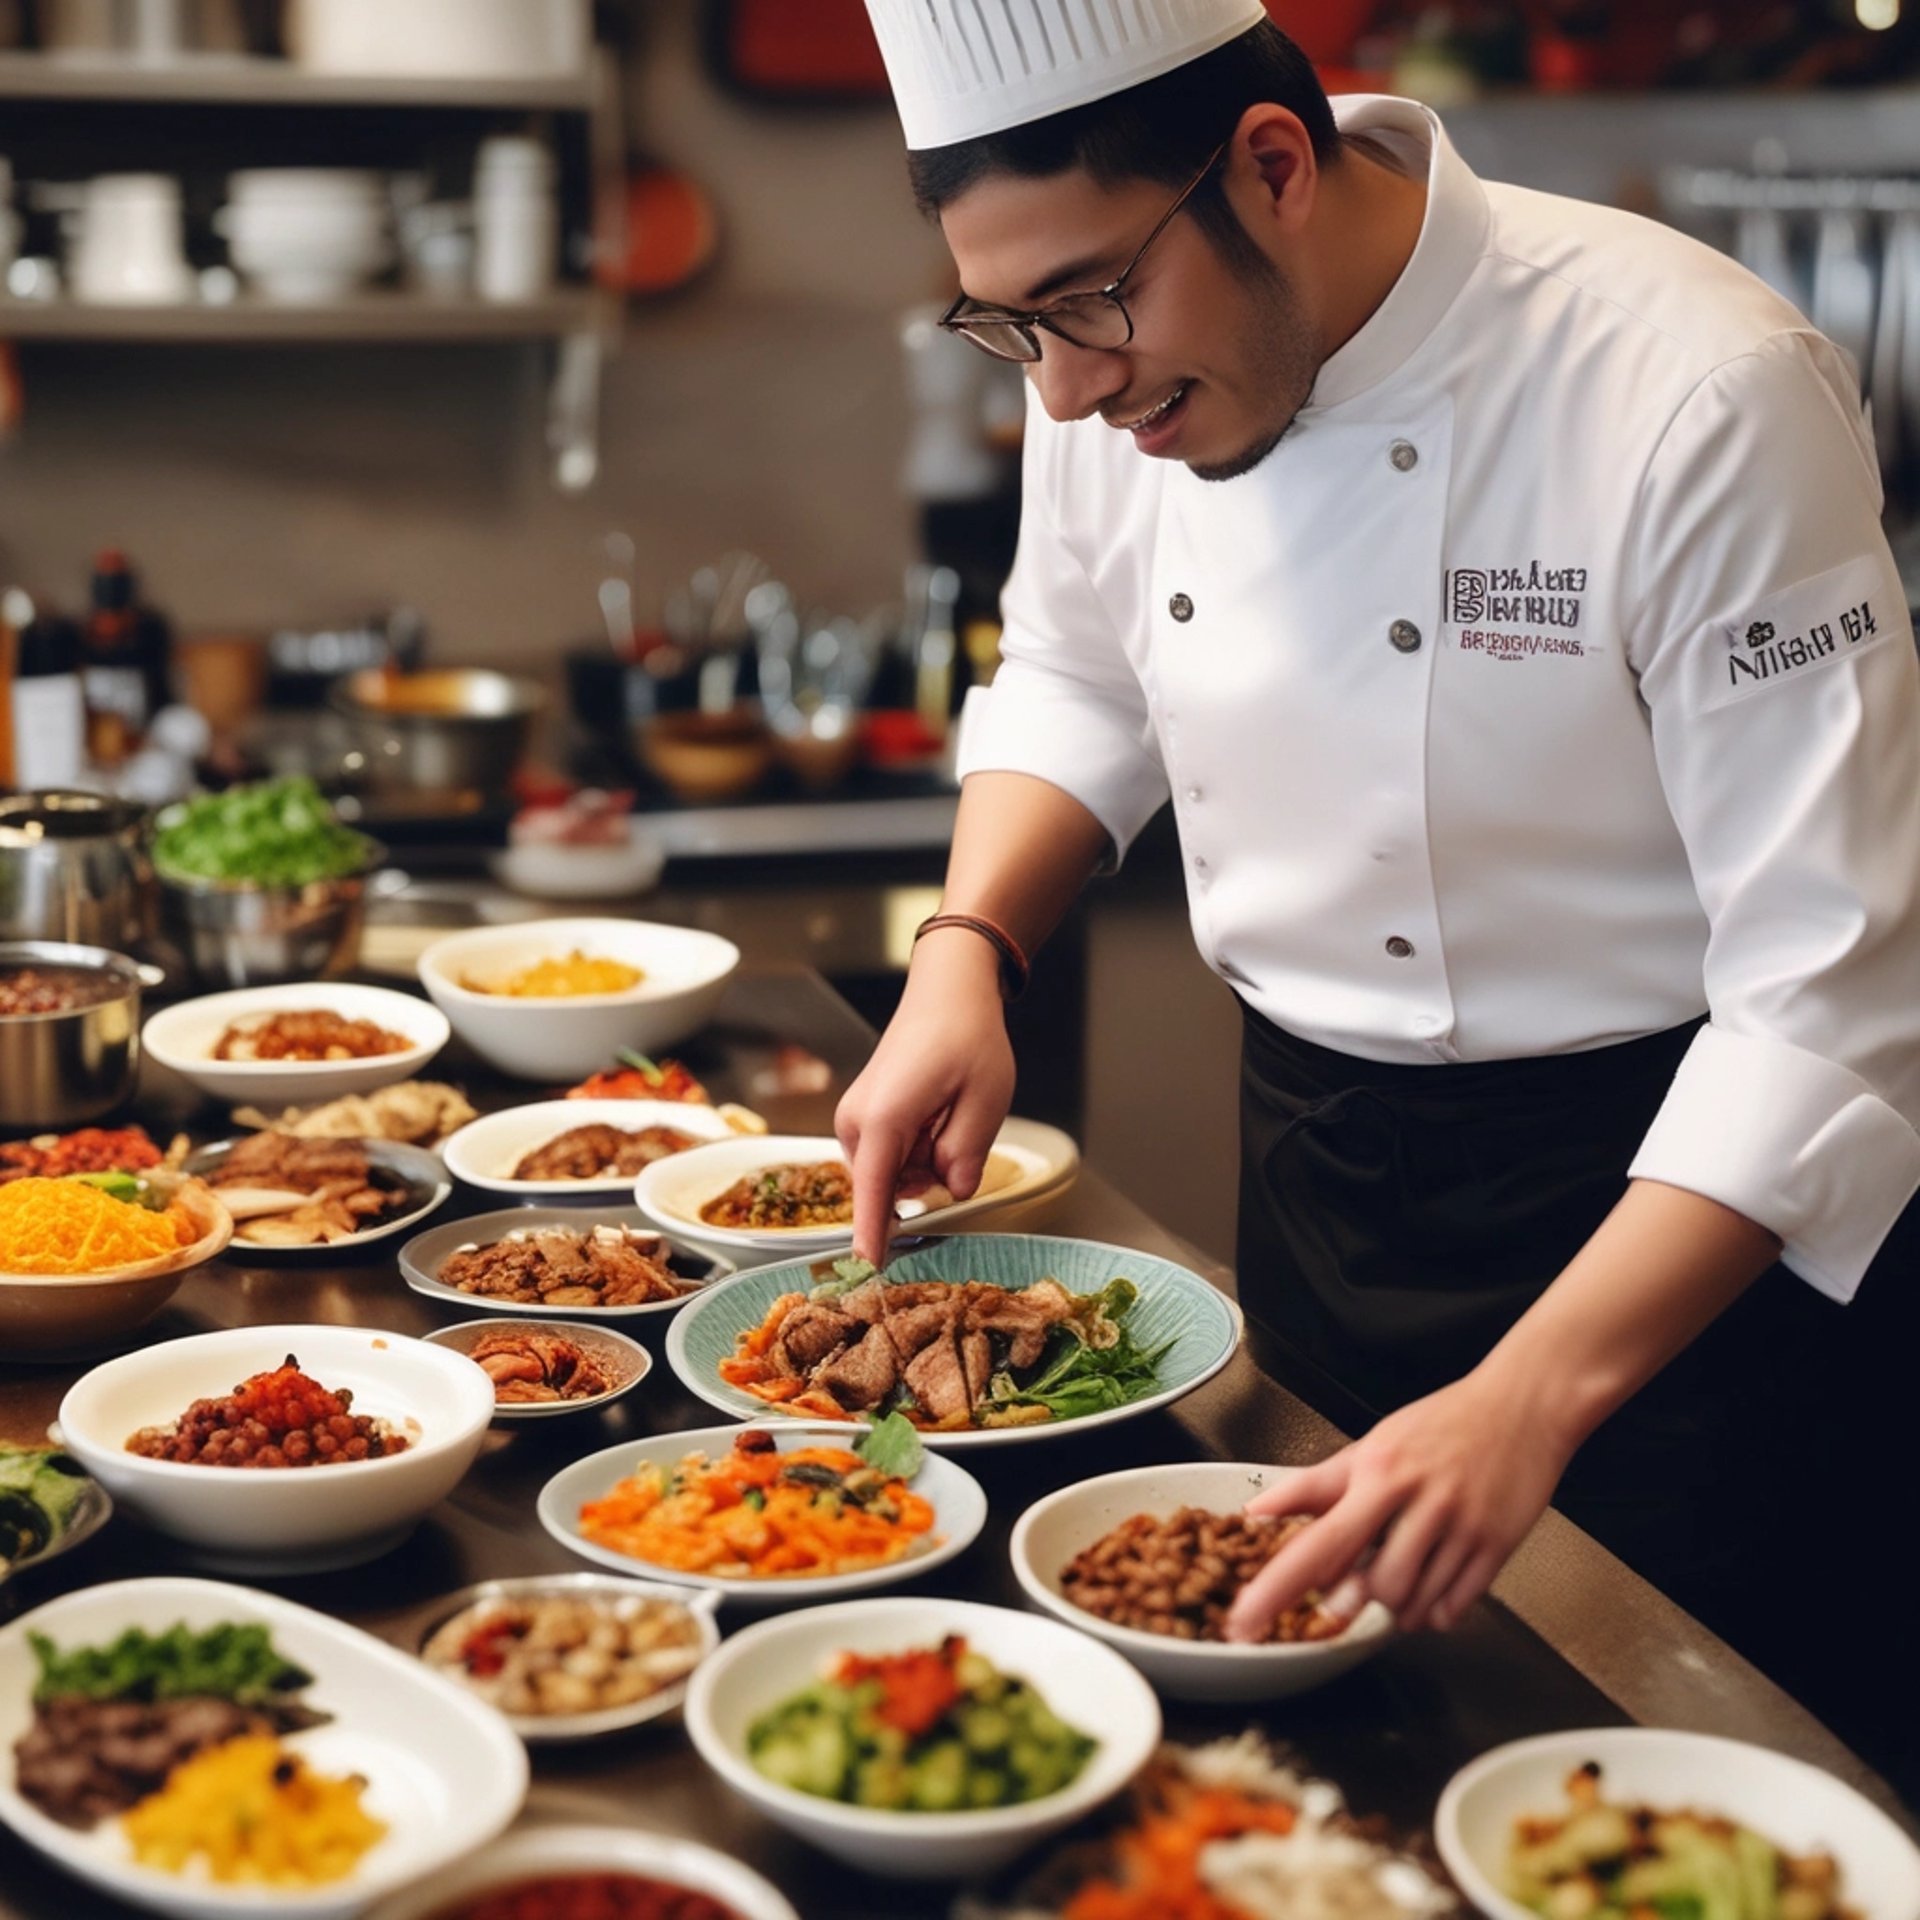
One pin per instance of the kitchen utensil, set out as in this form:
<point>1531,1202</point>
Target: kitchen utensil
<point>128,242</point>
<point>234,935</point>
<point>669,234</point>
<point>73,866</point>
<point>451,730</point>
<point>304,235</point>
<point>1844,283</point>
<point>152,32</point>
<point>441,39</point>
<point>516,218</point>
<point>64,1069</point>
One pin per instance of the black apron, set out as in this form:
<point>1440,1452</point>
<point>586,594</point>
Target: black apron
<point>1395,1221</point>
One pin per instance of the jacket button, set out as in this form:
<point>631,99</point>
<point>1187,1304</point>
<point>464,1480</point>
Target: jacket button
<point>1405,636</point>
<point>1404,455</point>
<point>1180,607</point>
<point>1400,949</point>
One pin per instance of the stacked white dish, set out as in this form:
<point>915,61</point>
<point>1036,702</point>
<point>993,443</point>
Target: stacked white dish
<point>305,235</point>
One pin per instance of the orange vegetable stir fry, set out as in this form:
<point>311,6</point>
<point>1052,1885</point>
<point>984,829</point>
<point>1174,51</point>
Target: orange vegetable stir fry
<point>757,1513</point>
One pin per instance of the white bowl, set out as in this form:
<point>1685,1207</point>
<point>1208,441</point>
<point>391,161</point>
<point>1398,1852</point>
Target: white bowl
<point>485,1152</point>
<point>1052,1531</point>
<point>563,871</point>
<point>418,1168</point>
<point>959,1511</point>
<point>553,1728</point>
<point>1795,1806</point>
<point>534,1852</point>
<point>686,971</point>
<point>632,1360</point>
<point>292,1519</point>
<point>1087,1685</point>
<point>183,1038</point>
<point>1038,1161</point>
<point>443,1771</point>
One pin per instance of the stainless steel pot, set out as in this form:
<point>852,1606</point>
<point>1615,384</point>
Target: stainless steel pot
<point>231,934</point>
<point>445,731</point>
<point>73,866</point>
<point>64,1069</point>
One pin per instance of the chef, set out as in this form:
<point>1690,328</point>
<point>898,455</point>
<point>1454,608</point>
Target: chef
<point>1495,585</point>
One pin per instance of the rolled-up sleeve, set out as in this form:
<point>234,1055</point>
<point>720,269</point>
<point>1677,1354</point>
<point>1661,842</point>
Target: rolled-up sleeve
<point>1066,705</point>
<point>1776,658</point>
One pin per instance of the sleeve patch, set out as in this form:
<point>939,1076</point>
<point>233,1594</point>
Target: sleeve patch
<point>1795,633</point>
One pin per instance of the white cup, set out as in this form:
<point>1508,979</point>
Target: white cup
<point>516,219</point>
<point>129,246</point>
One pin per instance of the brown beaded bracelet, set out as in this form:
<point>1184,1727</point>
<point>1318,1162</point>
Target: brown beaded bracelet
<point>1014,969</point>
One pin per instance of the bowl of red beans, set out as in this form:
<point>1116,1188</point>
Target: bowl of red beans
<point>280,1450</point>
<point>591,1873</point>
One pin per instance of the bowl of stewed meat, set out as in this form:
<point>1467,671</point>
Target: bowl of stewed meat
<point>577,1149</point>
<point>1151,1561</point>
<point>284,1449</point>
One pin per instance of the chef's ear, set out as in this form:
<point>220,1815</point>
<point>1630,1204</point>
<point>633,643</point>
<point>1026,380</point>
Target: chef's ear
<point>1272,174</point>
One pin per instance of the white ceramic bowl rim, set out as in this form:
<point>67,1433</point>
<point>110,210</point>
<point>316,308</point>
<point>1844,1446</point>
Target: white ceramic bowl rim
<point>725,956</point>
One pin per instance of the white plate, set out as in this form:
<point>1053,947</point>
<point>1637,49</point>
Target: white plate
<point>1053,1531</point>
<point>1087,1685</point>
<point>532,1853</point>
<point>551,1728</point>
<point>444,1772</point>
<point>485,1152</point>
<point>633,1360</point>
<point>570,872</point>
<point>427,1186</point>
<point>959,1510</point>
<point>422,1258</point>
<point>1795,1806</point>
<point>183,1038</point>
<point>1041,1161</point>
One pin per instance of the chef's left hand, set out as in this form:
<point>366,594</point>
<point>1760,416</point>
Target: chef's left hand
<point>1440,1493</point>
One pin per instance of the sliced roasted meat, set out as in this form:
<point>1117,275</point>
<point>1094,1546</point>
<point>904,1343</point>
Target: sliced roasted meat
<point>864,1374</point>
<point>938,1381</point>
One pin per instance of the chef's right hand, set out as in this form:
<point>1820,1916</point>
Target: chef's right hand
<point>939,1084</point>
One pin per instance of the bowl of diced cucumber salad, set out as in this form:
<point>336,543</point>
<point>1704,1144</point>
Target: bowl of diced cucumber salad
<point>921,1738</point>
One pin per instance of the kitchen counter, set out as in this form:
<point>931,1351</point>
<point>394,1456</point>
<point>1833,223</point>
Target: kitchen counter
<point>1572,1638</point>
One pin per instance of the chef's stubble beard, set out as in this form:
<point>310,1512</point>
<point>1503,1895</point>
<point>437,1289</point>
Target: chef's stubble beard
<point>1279,354</point>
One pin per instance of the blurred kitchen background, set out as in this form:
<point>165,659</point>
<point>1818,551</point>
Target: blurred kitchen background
<point>590,347</point>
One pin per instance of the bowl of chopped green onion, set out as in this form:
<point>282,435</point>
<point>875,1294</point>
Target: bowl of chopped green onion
<point>262,884</point>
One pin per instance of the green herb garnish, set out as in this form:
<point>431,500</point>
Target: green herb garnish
<point>278,833</point>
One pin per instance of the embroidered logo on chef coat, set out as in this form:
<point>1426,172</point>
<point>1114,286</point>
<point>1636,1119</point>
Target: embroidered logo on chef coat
<point>1805,627</point>
<point>1527,612</point>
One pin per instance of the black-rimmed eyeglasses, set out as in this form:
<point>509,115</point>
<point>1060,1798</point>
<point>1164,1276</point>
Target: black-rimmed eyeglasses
<point>1098,319</point>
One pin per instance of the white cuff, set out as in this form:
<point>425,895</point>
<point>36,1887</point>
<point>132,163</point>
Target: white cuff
<point>1797,1143</point>
<point>1034,722</point>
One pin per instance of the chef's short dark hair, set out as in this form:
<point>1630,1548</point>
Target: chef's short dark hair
<point>1161,130</point>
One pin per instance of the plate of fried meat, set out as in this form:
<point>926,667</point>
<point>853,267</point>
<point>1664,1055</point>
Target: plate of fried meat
<point>290,1193</point>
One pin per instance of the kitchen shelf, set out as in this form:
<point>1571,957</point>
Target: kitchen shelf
<point>360,318</point>
<point>213,80</point>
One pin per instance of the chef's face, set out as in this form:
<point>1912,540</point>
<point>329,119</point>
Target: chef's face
<point>1223,355</point>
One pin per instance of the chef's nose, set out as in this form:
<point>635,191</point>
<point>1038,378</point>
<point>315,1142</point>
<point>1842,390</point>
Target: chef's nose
<point>1075,381</point>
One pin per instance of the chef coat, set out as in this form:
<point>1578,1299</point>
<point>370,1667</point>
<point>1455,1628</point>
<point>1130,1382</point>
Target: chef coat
<point>1550,684</point>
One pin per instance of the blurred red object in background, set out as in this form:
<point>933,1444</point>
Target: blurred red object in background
<point>1324,30</point>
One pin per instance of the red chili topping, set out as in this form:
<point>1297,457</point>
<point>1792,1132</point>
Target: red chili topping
<point>591,1896</point>
<point>917,1688</point>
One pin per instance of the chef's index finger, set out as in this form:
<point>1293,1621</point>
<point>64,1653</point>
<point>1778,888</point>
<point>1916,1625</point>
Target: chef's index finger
<point>876,1155</point>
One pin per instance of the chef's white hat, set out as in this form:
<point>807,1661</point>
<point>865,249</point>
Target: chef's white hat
<point>963,68</point>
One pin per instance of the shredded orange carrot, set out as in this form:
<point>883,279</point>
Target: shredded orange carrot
<point>745,1515</point>
<point>1157,1861</point>
<point>68,1226</point>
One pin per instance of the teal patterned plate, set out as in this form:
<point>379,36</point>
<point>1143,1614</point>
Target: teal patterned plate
<point>1196,1323</point>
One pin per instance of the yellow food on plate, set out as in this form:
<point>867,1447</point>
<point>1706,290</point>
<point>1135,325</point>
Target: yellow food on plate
<point>254,1813</point>
<point>579,973</point>
<point>65,1226</point>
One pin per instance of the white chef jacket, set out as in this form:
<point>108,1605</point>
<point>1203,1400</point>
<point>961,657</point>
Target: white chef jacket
<point>1549,685</point>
